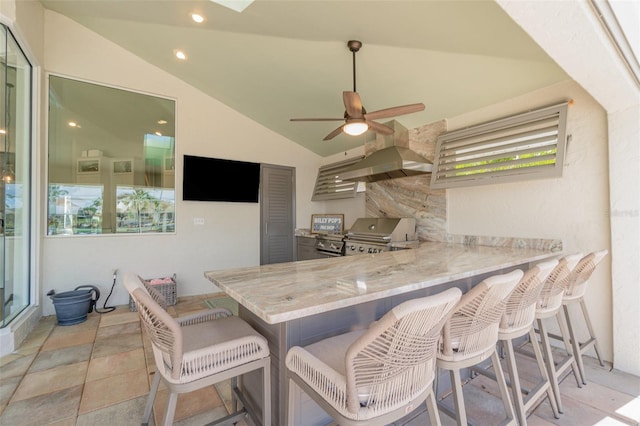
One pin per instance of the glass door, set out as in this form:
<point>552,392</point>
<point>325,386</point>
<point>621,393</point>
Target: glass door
<point>15,185</point>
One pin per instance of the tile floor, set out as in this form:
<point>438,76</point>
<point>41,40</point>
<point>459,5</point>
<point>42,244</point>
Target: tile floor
<point>98,373</point>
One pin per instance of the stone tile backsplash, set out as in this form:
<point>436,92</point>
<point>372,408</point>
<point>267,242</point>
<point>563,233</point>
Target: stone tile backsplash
<point>412,197</point>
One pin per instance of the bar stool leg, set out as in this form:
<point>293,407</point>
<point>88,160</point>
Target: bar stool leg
<point>575,345</point>
<point>234,399</point>
<point>266,394</point>
<point>432,409</point>
<point>458,398</point>
<point>290,414</point>
<point>592,334</point>
<point>151,398</point>
<point>566,338</point>
<point>502,385</point>
<point>543,372</point>
<point>516,391</point>
<point>551,369</point>
<point>170,411</point>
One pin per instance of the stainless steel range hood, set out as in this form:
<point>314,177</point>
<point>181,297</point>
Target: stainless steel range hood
<point>390,162</point>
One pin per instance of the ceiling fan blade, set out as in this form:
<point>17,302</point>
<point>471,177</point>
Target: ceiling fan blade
<point>394,111</point>
<point>379,128</point>
<point>333,134</point>
<point>352,104</point>
<point>316,119</point>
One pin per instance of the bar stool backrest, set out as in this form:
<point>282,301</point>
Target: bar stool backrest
<point>552,292</point>
<point>577,283</point>
<point>473,328</point>
<point>164,332</point>
<point>396,356</point>
<point>520,308</point>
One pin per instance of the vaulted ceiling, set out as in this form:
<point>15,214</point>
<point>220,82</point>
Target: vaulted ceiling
<point>278,60</point>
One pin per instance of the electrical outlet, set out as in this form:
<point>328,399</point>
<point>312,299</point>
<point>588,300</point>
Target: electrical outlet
<point>198,220</point>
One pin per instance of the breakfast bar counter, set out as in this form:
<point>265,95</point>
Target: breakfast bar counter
<point>299,303</point>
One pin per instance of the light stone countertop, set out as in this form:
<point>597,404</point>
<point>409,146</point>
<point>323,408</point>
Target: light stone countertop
<point>285,291</point>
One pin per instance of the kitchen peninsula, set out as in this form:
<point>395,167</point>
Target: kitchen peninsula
<point>298,303</point>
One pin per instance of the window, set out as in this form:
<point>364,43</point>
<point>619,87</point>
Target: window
<point>110,160</point>
<point>329,187</point>
<point>524,146</point>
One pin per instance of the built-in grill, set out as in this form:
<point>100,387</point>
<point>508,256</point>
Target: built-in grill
<point>376,235</point>
<point>330,245</point>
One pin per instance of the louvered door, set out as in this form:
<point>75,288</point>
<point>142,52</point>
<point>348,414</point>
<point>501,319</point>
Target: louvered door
<point>277,214</point>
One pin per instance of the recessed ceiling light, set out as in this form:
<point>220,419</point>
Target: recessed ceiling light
<point>3,132</point>
<point>162,121</point>
<point>72,124</point>
<point>158,134</point>
<point>181,55</point>
<point>197,18</point>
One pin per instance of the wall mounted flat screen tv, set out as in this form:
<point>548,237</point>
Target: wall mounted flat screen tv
<point>215,179</point>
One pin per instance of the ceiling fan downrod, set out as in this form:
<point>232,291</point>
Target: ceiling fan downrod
<point>354,46</point>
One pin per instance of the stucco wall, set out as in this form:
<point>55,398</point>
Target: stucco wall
<point>573,208</point>
<point>572,33</point>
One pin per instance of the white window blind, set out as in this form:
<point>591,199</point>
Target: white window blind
<point>524,146</point>
<point>329,187</point>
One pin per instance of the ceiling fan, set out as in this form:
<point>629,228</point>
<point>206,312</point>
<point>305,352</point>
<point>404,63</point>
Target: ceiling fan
<point>356,119</point>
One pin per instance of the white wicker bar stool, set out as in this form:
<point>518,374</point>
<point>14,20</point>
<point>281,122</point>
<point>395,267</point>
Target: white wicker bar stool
<point>378,375</point>
<point>470,337</point>
<point>517,322</point>
<point>548,306</point>
<point>200,350</point>
<point>574,292</point>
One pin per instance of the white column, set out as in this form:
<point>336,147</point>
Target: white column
<point>624,192</point>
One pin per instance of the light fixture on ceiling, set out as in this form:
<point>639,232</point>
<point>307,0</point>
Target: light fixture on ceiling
<point>355,127</point>
<point>197,18</point>
<point>3,132</point>
<point>181,55</point>
<point>162,121</point>
<point>158,134</point>
<point>73,124</point>
<point>356,119</point>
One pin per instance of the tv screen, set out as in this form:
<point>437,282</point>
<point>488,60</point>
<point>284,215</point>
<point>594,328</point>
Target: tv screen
<point>215,179</point>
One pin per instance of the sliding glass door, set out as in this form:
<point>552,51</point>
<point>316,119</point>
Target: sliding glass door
<point>15,186</point>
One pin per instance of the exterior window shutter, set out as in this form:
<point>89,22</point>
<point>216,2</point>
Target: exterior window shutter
<point>524,146</point>
<point>329,187</point>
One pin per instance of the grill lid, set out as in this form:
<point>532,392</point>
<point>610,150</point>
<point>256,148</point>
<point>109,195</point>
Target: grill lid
<point>383,229</point>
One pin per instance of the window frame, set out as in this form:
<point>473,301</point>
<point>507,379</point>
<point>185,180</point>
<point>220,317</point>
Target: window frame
<point>491,152</point>
<point>110,182</point>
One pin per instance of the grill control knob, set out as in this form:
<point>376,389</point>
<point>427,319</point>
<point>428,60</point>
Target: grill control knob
<point>361,249</point>
<point>352,247</point>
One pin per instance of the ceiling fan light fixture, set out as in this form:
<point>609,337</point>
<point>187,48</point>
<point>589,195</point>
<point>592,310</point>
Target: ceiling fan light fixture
<point>355,127</point>
<point>356,119</point>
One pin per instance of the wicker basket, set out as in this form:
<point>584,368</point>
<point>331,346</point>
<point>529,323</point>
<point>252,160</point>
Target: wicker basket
<point>168,290</point>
